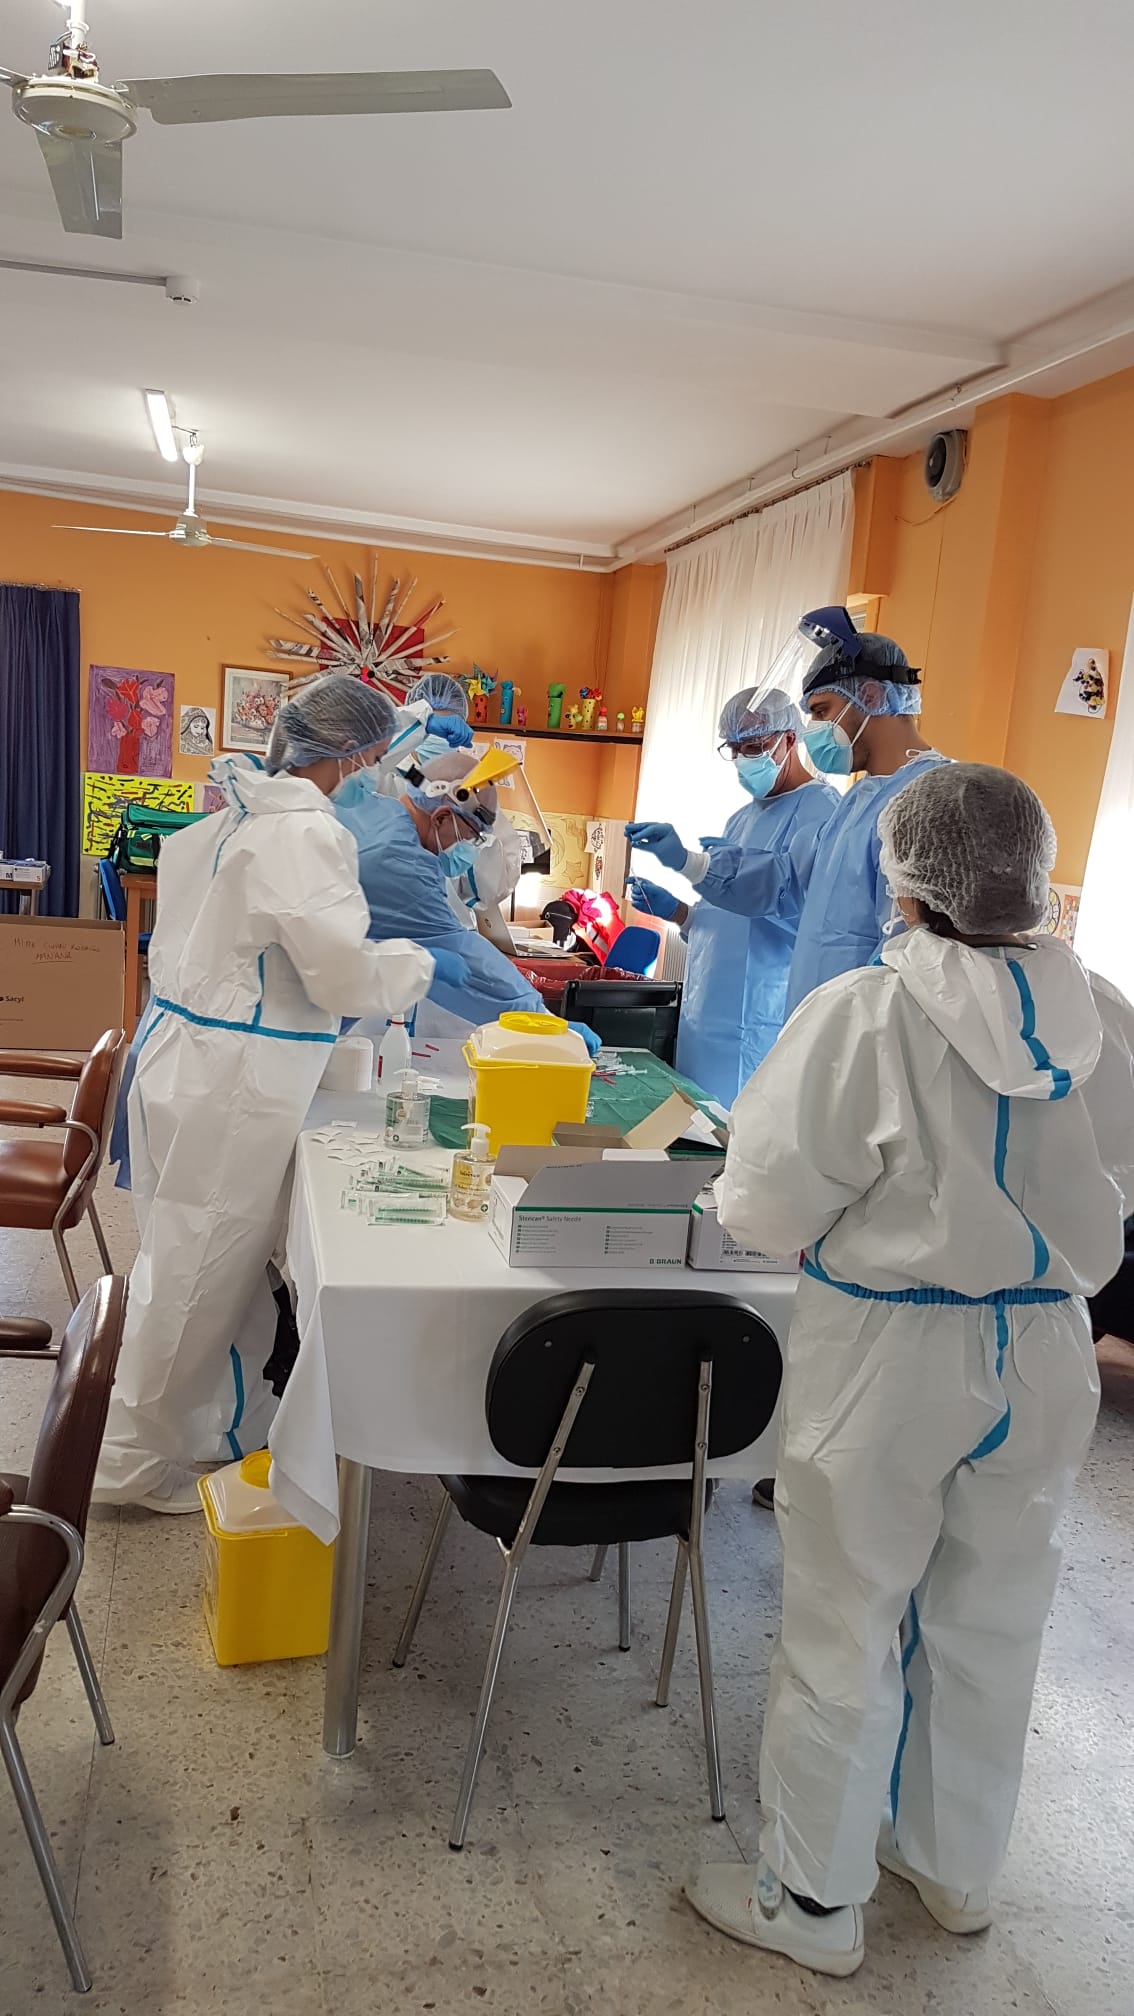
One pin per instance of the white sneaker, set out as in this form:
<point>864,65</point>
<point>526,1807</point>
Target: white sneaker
<point>176,1492</point>
<point>753,1906</point>
<point>961,1911</point>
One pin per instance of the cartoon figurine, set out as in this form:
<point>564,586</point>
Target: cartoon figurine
<point>574,716</point>
<point>521,719</point>
<point>590,697</point>
<point>555,706</point>
<point>601,723</point>
<point>507,696</point>
<point>479,707</point>
<point>620,722</point>
<point>637,719</point>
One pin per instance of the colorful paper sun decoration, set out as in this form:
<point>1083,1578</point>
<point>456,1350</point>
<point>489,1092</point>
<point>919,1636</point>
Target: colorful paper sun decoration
<point>386,649</point>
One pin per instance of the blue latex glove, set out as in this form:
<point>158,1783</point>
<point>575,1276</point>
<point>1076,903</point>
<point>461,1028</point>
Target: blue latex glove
<point>713,840</point>
<point>653,836</point>
<point>450,968</point>
<point>451,729</point>
<point>590,1037</point>
<point>652,898</point>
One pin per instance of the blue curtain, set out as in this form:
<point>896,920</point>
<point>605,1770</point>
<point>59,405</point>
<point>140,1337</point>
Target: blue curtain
<point>40,782</point>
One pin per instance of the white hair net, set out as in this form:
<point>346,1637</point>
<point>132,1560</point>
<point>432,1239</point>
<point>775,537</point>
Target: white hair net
<point>973,843</point>
<point>445,694</point>
<point>745,717</point>
<point>331,717</point>
<point>478,808</point>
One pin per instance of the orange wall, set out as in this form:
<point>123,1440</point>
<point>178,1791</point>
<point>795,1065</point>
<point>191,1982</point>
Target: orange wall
<point>148,607</point>
<point>992,592</point>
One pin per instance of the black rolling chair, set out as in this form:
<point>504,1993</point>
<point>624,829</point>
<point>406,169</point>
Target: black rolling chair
<point>617,1380</point>
<point>628,1014</point>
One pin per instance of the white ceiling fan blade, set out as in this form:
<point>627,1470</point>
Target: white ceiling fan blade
<point>113,531</point>
<point>277,552</point>
<point>13,78</point>
<point>179,101</point>
<point>86,176</point>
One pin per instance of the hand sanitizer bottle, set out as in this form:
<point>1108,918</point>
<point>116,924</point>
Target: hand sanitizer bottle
<point>471,1180</point>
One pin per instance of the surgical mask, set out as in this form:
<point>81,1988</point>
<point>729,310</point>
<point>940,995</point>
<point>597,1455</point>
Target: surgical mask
<point>758,774</point>
<point>830,748</point>
<point>458,859</point>
<point>354,787</point>
<point>431,747</point>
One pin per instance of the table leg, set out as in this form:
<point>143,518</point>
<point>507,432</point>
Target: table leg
<point>133,932</point>
<point>348,1601</point>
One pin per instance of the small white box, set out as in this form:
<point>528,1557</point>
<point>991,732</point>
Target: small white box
<point>569,1212</point>
<point>711,1247</point>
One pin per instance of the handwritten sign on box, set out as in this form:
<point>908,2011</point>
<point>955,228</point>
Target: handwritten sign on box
<point>61,982</point>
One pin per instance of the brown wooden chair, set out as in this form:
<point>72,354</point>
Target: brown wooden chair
<point>43,1521</point>
<point>48,1186</point>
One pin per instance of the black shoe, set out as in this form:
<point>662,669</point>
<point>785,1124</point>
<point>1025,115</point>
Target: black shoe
<point>764,1494</point>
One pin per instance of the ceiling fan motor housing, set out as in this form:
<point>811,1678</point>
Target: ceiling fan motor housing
<point>75,109</point>
<point>945,464</point>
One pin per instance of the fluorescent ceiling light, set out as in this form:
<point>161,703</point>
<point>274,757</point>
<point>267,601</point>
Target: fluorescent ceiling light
<point>161,420</point>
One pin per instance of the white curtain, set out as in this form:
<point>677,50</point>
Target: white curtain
<point>1104,935</point>
<point>731,600</point>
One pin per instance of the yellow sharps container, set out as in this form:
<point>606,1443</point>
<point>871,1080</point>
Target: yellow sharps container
<point>267,1579</point>
<point>527,1073</point>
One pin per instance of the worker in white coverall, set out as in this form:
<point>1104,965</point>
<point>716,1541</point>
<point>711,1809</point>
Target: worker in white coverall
<point>260,946</point>
<point>949,1134</point>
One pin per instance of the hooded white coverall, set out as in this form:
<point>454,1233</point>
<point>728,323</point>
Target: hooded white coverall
<point>950,1135</point>
<point>260,946</point>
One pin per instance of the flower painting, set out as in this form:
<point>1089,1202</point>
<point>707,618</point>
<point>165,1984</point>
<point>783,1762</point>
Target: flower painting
<point>251,702</point>
<point>130,723</point>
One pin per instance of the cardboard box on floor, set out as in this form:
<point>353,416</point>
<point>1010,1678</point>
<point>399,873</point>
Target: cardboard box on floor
<point>590,1207</point>
<point>61,982</point>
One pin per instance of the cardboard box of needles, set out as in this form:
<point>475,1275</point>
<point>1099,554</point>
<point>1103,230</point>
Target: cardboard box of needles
<point>592,1207</point>
<point>711,1247</point>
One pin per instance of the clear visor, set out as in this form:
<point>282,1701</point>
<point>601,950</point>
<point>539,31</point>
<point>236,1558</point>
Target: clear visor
<point>795,658</point>
<point>786,673</point>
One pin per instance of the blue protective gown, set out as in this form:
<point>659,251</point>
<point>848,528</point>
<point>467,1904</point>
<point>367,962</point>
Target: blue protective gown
<point>832,872</point>
<point>407,893</point>
<point>736,971</point>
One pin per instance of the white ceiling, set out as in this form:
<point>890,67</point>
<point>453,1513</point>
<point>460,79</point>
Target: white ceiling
<point>705,235</point>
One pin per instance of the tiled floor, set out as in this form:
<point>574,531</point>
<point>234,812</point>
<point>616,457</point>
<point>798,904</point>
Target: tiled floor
<point>220,1863</point>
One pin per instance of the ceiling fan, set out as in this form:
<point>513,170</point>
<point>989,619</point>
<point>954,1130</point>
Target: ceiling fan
<point>190,529</point>
<point>81,123</point>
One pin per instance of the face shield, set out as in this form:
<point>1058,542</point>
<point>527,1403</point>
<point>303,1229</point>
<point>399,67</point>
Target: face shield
<point>816,631</point>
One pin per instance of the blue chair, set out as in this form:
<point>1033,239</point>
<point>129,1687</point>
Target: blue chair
<point>635,950</point>
<point>114,900</point>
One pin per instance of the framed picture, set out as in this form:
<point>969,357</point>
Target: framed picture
<point>197,733</point>
<point>130,723</point>
<point>251,702</point>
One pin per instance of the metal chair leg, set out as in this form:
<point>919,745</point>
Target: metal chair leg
<point>421,1586</point>
<point>65,1263</point>
<point>672,1625</point>
<point>624,1596</point>
<point>513,1558</point>
<point>705,1675</point>
<point>598,1564</point>
<point>100,1237</point>
<point>89,1675</point>
<point>44,1859</point>
<point>484,1705</point>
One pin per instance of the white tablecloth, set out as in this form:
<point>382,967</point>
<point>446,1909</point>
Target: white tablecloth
<point>398,1327</point>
